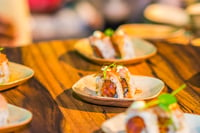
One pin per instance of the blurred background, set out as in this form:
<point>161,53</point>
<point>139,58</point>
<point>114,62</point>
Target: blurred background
<point>29,21</point>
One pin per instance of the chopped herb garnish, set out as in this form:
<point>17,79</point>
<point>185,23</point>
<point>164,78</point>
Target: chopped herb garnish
<point>1,48</point>
<point>179,89</point>
<point>109,32</point>
<point>107,68</point>
<point>165,100</point>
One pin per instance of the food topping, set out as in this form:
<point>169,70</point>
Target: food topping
<point>109,89</point>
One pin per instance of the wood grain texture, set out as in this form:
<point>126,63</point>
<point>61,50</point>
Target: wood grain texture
<point>57,67</point>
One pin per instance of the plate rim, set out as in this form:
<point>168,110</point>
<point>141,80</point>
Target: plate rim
<point>125,61</point>
<point>155,6</point>
<point>175,32</point>
<point>15,125</point>
<point>10,83</point>
<point>118,99</point>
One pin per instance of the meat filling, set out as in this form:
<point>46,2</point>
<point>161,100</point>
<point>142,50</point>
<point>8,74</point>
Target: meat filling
<point>135,125</point>
<point>109,89</point>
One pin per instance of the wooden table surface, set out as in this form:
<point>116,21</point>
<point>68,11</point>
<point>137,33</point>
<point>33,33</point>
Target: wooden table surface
<point>48,95</point>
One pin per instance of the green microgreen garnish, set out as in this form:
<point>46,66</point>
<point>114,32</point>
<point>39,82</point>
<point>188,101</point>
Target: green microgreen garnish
<point>107,68</point>
<point>179,89</point>
<point>109,32</point>
<point>165,99</point>
<point>1,48</point>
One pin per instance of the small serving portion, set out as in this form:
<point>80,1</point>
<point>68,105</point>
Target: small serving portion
<point>115,86</point>
<point>155,119</point>
<point>115,81</point>
<point>12,74</point>
<point>112,45</point>
<point>4,68</point>
<point>3,111</point>
<point>161,115</point>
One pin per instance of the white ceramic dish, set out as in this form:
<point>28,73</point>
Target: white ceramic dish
<point>143,50</point>
<point>117,123</point>
<point>18,74</point>
<point>149,88</point>
<point>151,31</point>
<point>166,14</point>
<point>18,117</point>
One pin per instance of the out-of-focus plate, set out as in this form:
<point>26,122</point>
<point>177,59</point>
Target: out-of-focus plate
<point>143,50</point>
<point>117,123</point>
<point>148,87</point>
<point>18,74</point>
<point>196,42</point>
<point>18,117</point>
<point>151,31</point>
<point>193,9</point>
<point>166,14</point>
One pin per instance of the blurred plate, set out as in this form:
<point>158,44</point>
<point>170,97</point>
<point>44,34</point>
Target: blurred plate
<point>18,117</point>
<point>196,42</point>
<point>117,123</point>
<point>166,14</point>
<point>151,31</point>
<point>18,74</point>
<point>148,87</point>
<point>193,9</point>
<point>143,50</point>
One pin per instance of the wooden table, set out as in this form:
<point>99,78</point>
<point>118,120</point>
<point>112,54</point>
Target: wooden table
<point>48,95</point>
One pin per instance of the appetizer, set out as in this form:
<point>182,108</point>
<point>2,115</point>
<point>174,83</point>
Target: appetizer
<point>115,81</point>
<point>159,116</point>
<point>3,111</point>
<point>111,45</point>
<point>102,45</point>
<point>123,45</point>
<point>4,69</point>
